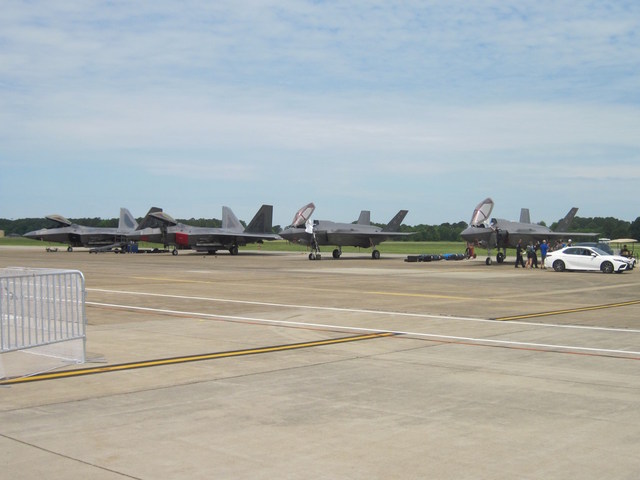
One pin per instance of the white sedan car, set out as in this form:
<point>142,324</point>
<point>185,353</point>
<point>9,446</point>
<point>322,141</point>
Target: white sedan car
<point>586,258</point>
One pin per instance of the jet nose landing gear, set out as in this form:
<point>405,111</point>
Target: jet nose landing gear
<point>500,257</point>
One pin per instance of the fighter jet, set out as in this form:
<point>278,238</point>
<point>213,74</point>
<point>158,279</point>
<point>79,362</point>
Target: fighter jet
<point>83,236</point>
<point>159,227</point>
<point>500,234</point>
<point>324,232</point>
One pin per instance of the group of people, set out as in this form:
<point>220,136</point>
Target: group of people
<point>531,250</point>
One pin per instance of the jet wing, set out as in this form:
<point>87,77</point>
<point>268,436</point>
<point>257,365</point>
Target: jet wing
<point>203,240</point>
<point>357,239</point>
<point>561,235</point>
<point>253,237</point>
<point>379,237</point>
<point>532,236</point>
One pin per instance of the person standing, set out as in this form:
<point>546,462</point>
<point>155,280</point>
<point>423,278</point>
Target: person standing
<point>519,259</point>
<point>544,248</point>
<point>530,253</point>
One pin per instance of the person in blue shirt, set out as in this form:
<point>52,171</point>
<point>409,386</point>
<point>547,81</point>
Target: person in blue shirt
<point>544,248</point>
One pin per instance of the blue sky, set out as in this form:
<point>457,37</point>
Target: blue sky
<point>428,105</point>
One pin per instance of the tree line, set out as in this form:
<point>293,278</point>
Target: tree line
<point>606,227</point>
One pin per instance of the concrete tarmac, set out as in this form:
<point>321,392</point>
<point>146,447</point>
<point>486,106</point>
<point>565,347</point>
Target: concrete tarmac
<point>268,365</point>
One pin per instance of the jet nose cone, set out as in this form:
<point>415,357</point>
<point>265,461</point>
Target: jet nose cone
<point>476,234</point>
<point>294,235</point>
<point>286,233</point>
<point>467,232</point>
<point>290,234</point>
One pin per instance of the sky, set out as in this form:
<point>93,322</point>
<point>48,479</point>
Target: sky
<point>429,106</point>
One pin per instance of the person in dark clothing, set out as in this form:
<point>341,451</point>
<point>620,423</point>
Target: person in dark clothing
<point>529,255</point>
<point>534,254</point>
<point>519,259</point>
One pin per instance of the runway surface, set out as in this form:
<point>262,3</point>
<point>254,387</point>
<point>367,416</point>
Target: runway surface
<point>268,365</point>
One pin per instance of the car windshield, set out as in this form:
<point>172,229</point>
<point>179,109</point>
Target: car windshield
<point>599,251</point>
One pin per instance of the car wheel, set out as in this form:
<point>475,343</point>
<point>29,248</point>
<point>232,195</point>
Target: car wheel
<point>558,266</point>
<point>606,267</point>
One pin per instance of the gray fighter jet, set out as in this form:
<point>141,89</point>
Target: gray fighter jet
<point>500,234</point>
<point>324,232</point>
<point>159,227</point>
<point>82,236</point>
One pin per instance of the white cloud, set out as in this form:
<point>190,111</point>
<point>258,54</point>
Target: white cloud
<point>351,94</point>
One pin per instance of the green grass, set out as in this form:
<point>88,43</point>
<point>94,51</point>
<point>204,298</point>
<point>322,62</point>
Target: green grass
<point>25,242</point>
<point>404,248</point>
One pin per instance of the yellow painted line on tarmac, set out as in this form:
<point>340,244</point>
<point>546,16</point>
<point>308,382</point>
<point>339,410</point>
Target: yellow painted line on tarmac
<point>188,358</point>
<point>568,310</point>
<point>421,295</point>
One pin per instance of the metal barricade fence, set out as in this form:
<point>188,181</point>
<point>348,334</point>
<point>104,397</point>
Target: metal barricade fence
<point>40,307</point>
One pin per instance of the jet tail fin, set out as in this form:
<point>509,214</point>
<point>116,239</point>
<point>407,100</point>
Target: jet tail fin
<point>396,221</point>
<point>565,223</point>
<point>261,221</point>
<point>524,215</point>
<point>127,222</point>
<point>365,218</point>
<point>230,221</point>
